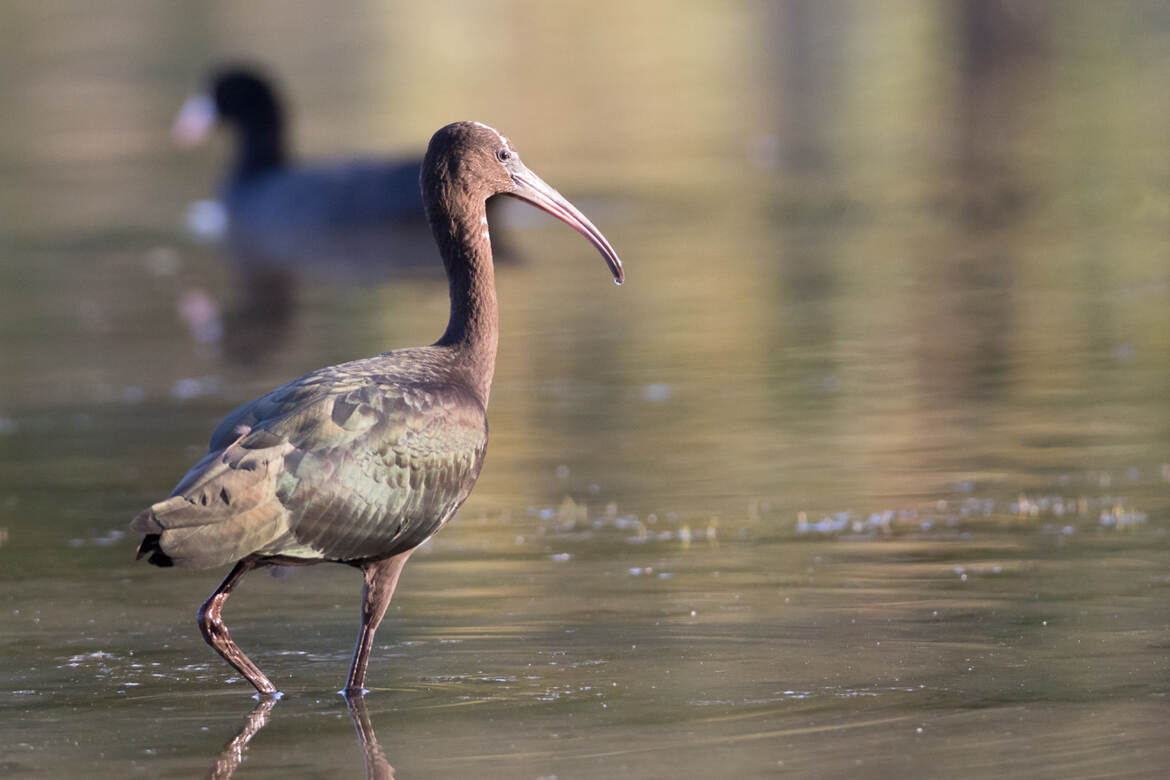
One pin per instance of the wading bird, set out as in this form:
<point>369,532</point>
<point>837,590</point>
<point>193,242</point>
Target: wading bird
<point>361,462</point>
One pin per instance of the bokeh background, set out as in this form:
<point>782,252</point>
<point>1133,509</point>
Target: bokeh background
<point>864,472</point>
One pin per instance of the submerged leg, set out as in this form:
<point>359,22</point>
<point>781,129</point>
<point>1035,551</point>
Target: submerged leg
<point>215,633</point>
<point>381,580</point>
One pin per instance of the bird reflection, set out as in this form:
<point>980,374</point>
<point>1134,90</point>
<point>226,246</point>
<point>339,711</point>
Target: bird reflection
<point>262,318</point>
<point>235,751</point>
<point>377,767</point>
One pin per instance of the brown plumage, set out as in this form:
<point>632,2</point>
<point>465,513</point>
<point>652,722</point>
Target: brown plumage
<point>360,463</point>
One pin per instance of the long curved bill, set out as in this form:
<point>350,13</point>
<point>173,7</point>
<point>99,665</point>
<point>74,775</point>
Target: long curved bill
<point>195,119</point>
<point>533,189</point>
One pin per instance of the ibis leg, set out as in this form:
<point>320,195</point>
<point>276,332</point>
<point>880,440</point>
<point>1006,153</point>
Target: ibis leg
<point>215,633</point>
<point>381,580</point>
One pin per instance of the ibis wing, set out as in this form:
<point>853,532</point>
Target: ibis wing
<point>385,472</point>
<point>224,509</point>
<point>333,466</point>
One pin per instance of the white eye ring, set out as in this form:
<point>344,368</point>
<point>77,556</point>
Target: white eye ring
<point>503,155</point>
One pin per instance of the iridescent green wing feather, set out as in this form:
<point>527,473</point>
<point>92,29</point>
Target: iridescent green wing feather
<point>347,463</point>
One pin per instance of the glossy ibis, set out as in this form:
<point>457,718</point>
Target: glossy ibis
<point>361,462</point>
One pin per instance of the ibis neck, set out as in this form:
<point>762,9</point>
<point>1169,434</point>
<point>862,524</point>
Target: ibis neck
<point>461,231</point>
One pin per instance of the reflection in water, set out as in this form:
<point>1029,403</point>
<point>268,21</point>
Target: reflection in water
<point>969,302</point>
<point>261,319</point>
<point>377,767</point>
<point>234,752</point>
<point>809,71</point>
<point>258,323</point>
<point>808,68</point>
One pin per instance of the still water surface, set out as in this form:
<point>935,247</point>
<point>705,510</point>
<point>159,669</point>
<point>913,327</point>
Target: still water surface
<point>863,473</point>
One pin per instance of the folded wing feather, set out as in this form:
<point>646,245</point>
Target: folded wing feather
<point>332,467</point>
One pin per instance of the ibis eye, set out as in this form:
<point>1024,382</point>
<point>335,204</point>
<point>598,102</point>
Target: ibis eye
<point>503,155</point>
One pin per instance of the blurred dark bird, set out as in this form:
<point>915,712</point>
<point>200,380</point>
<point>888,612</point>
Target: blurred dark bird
<point>353,219</point>
<point>362,462</point>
